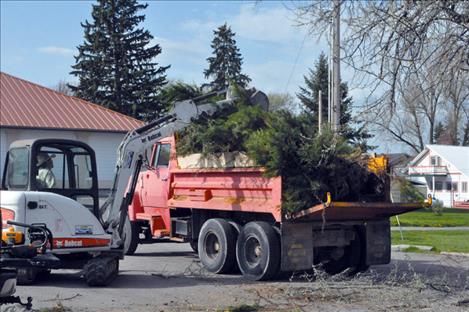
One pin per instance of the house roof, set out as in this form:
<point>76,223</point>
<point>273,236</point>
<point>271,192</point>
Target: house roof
<point>24,104</point>
<point>398,159</point>
<point>458,156</point>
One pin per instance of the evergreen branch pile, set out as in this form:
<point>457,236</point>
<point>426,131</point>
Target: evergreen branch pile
<point>286,145</point>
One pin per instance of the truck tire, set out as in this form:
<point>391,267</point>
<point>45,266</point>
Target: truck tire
<point>195,246</point>
<point>101,271</point>
<point>131,236</point>
<point>258,251</point>
<point>350,260</point>
<point>217,246</point>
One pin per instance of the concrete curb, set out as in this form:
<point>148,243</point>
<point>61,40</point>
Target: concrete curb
<point>404,247</point>
<point>460,254</point>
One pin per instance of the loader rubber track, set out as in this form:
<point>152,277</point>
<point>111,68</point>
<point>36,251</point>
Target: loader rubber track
<point>101,271</point>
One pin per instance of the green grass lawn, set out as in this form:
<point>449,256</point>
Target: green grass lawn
<point>449,241</point>
<point>425,217</point>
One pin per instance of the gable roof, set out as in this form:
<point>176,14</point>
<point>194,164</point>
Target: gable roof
<point>24,104</point>
<point>458,156</point>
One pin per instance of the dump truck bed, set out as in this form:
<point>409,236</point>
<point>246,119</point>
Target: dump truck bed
<point>234,189</point>
<point>249,190</point>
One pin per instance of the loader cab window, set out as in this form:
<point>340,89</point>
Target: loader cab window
<point>82,169</point>
<point>67,168</point>
<point>18,168</point>
<point>161,158</point>
<point>63,167</point>
<point>51,165</point>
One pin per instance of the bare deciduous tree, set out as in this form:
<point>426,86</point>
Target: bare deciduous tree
<point>388,41</point>
<point>278,101</point>
<point>63,87</point>
<point>414,54</point>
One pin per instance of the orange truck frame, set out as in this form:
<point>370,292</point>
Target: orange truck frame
<point>233,219</point>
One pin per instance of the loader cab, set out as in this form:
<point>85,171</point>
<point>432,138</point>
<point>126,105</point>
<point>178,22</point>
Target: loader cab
<point>60,166</point>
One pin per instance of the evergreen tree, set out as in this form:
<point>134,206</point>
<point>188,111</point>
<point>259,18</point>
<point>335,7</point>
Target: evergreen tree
<point>465,139</point>
<point>225,64</point>
<point>116,64</point>
<point>440,129</point>
<point>317,79</point>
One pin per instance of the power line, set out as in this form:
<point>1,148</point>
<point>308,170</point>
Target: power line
<point>296,62</point>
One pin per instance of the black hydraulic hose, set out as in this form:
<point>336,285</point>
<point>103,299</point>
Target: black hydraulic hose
<point>153,123</point>
<point>208,95</point>
<point>47,233</point>
<point>129,197</point>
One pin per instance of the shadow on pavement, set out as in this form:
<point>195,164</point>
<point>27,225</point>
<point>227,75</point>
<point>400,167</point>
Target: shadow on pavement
<point>194,275</point>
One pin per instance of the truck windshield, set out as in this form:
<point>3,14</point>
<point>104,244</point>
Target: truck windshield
<point>18,168</point>
<point>162,156</point>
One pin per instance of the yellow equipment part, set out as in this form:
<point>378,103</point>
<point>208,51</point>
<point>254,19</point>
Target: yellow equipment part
<point>12,237</point>
<point>378,164</point>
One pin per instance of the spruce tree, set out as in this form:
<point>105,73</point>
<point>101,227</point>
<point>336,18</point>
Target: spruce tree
<point>439,131</point>
<point>316,80</point>
<point>116,64</point>
<point>225,64</point>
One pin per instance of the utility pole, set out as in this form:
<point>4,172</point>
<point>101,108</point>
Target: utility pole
<point>320,111</point>
<point>329,81</point>
<point>336,67</point>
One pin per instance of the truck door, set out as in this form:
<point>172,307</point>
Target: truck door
<point>155,180</point>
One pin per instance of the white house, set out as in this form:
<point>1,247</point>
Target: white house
<point>445,170</point>
<point>28,111</point>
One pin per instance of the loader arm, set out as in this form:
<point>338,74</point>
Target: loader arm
<point>130,157</point>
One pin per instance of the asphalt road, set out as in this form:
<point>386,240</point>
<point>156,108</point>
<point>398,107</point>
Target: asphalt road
<point>168,277</point>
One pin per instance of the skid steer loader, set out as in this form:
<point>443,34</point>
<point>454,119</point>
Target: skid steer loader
<point>85,235</point>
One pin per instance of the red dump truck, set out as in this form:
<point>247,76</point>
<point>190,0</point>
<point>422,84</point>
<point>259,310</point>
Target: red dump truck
<point>232,217</point>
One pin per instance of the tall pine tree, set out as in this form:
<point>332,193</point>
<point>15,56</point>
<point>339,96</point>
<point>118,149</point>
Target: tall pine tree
<point>316,80</point>
<point>225,64</point>
<point>116,64</point>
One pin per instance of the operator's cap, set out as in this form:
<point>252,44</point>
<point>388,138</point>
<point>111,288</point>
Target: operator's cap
<point>43,157</point>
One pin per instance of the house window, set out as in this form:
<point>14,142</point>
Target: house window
<point>464,187</point>
<point>438,186</point>
<point>448,186</point>
<point>455,186</point>
<point>435,161</point>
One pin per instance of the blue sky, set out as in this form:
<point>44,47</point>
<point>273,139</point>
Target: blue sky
<point>39,39</point>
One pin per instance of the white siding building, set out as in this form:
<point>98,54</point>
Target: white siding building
<point>445,170</point>
<point>30,111</point>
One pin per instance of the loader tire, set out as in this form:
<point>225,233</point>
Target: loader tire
<point>258,251</point>
<point>26,276</point>
<point>217,246</point>
<point>101,271</point>
<point>131,237</point>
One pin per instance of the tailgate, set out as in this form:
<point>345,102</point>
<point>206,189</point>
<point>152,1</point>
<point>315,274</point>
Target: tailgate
<point>344,211</point>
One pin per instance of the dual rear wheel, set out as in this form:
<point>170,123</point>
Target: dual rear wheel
<point>225,246</point>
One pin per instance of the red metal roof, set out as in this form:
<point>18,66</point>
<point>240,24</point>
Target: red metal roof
<point>24,104</point>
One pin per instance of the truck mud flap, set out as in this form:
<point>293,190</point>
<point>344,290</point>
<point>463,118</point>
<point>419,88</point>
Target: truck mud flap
<point>297,246</point>
<point>378,242</point>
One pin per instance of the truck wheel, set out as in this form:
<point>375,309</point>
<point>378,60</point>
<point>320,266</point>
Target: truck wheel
<point>100,271</point>
<point>131,236</point>
<point>194,245</point>
<point>217,246</point>
<point>258,251</point>
<point>26,276</point>
<point>351,259</point>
